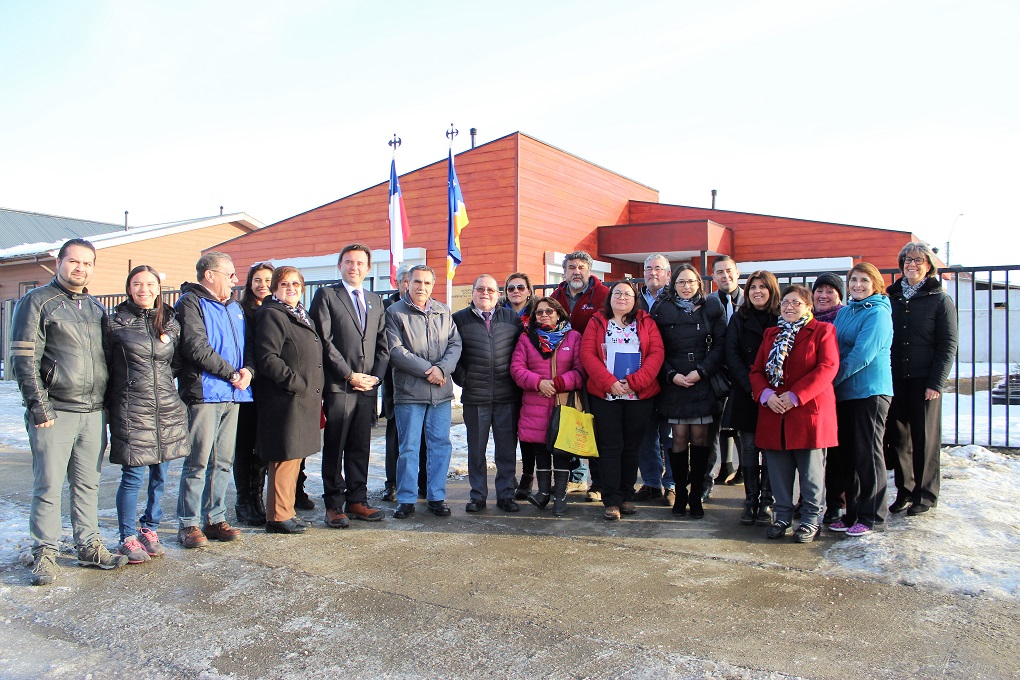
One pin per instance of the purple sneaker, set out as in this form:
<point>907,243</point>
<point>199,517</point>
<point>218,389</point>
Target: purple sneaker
<point>857,529</point>
<point>839,526</point>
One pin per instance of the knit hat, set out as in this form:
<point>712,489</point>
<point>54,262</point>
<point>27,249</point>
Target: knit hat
<point>830,279</point>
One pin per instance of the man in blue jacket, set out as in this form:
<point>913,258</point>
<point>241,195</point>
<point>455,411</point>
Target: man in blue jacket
<point>216,371</point>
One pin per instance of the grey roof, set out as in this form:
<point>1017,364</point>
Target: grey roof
<point>20,226</point>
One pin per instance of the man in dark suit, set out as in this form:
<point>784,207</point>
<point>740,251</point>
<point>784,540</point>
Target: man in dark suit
<point>352,326</point>
<point>726,276</point>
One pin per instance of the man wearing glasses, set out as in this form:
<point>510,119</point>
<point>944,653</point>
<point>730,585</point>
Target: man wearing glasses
<point>653,459</point>
<point>216,370</point>
<point>490,396</point>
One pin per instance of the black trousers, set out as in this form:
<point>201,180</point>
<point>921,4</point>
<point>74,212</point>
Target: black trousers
<point>249,469</point>
<point>346,447</point>
<point>861,424</point>
<point>914,441</point>
<point>619,430</point>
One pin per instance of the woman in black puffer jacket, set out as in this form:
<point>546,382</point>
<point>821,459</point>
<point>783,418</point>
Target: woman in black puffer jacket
<point>693,329</point>
<point>148,420</point>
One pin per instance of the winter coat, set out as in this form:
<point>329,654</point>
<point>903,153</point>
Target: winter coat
<point>289,384</point>
<point>808,372</point>
<point>925,334</point>
<point>148,421</point>
<point>743,340</point>
<point>691,342</point>
<point>528,367</point>
<point>483,370</point>
<point>645,380</point>
<point>419,340</point>
<point>213,347</point>
<point>56,352</point>
<point>589,302</point>
<point>864,332</point>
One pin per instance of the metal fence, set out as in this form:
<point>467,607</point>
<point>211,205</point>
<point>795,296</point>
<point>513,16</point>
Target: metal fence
<point>974,411</point>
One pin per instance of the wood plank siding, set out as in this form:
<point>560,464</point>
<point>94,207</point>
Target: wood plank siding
<point>767,237</point>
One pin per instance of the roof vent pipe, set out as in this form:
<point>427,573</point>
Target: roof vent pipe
<point>125,220</point>
<point>713,198</point>
<point>474,131</point>
<point>221,209</point>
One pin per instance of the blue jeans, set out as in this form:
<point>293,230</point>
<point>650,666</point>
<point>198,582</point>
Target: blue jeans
<point>653,461</point>
<point>127,497</point>
<point>436,419</point>
<point>207,469</point>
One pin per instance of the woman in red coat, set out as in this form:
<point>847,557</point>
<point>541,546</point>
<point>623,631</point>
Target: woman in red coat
<point>621,352</point>
<point>791,380</point>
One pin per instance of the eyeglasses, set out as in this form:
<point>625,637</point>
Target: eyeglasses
<point>655,270</point>
<point>517,286</point>
<point>796,304</point>
<point>686,282</point>
<point>622,295</point>
<point>913,260</point>
<point>545,312</point>
<point>483,290</point>
<point>229,275</point>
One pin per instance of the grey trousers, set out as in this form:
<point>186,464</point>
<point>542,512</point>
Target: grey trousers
<point>810,465</point>
<point>206,474</point>
<point>502,420</point>
<point>73,447</point>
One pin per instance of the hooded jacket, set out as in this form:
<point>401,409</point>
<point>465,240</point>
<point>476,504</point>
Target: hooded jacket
<point>148,420</point>
<point>864,333</point>
<point>645,380</point>
<point>588,302</point>
<point>212,348</point>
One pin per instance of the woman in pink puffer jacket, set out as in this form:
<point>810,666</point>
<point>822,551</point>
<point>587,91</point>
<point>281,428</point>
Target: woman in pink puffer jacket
<point>531,367</point>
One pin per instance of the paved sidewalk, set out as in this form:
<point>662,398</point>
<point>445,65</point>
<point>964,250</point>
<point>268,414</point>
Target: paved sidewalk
<point>489,595</point>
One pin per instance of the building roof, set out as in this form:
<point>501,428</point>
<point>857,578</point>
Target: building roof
<point>119,236</point>
<point>18,227</point>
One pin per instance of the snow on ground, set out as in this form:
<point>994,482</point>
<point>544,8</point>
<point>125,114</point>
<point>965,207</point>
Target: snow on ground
<point>989,424</point>
<point>969,544</point>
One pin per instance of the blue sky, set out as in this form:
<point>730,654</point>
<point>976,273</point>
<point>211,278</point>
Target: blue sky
<point>887,114</point>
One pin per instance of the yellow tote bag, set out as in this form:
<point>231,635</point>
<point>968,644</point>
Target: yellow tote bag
<point>572,431</point>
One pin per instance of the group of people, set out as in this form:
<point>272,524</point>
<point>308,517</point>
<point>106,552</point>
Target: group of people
<point>800,380</point>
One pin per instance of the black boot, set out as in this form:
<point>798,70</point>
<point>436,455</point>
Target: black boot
<point>301,499</point>
<point>751,490</point>
<point>725,470</point>
<point>699,466</point>
<point>247,512</point>
<point>524,488</point>
<point>541,498</point>
<point>679,462</point>
<point>737,478</point>
<point>764,516</point>
<point>559,492</point>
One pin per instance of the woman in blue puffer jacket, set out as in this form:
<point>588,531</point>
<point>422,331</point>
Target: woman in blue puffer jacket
<point>863,392</point>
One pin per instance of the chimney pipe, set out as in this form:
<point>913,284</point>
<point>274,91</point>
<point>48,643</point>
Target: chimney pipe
<point>713,198</point>
<point>221,209</point>
<point>474,131</point>
<point>125,220</point>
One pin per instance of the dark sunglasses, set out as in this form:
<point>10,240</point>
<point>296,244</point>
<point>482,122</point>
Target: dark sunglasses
<point>516,286</point>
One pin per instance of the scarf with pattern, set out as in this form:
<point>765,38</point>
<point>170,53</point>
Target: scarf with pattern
<point>782,346</point>
<point>547,340</point>
<point>910,291</point>
<point>297,312</point>
<point>687,306</point>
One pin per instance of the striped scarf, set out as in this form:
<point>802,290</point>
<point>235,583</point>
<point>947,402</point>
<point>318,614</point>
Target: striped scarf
<point>782,346</point>
<point>297,312</point>
<point>910,291</point>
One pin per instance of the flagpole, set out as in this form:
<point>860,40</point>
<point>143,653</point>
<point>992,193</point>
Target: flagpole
<point>450,134</point>
<point>393,144</point>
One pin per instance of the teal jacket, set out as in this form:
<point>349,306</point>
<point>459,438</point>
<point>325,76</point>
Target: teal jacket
<point>864,332</point>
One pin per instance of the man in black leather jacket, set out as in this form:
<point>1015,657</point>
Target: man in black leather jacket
<point>57,356</point>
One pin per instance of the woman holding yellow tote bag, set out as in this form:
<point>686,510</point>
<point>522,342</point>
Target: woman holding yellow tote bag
<point>622,353</point>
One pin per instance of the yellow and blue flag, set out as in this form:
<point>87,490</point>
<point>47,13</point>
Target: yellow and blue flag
<point>458,220</point>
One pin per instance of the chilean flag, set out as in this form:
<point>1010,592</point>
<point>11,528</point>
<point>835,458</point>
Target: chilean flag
<point>399,228</point>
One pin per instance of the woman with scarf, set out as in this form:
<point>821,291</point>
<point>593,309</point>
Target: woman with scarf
<point>863,386</point>
<point>925,339</point>
<point>759,311</point>
<point>288,393</point>
<point>546,362</point>
<point>791,380</point>
<point>693,329</point>
<point>621,352</point>
<point>517,298</point>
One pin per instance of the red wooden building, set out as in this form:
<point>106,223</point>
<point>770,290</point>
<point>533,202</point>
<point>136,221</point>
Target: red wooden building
<point>528,204</point>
